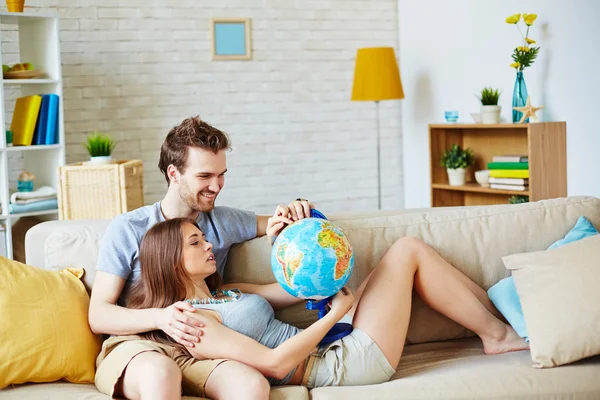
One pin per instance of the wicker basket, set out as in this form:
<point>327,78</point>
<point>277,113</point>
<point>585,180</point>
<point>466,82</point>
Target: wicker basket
<point>100,191</point>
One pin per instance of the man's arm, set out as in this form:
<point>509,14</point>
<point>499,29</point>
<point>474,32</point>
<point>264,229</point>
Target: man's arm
<point>105,316</point>
<point>273,293</point>
<point>261,225</point>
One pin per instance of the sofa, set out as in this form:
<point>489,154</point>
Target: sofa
<point>442,360</point>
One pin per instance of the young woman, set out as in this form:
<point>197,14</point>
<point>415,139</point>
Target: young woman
<point>177,263</point>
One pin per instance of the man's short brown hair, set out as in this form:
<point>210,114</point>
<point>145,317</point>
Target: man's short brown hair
<point>191,132</point>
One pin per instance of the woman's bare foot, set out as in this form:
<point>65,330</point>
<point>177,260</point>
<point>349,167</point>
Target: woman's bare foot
<point>507,341</point>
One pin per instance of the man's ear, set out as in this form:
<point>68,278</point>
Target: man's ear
<point>173,173</point>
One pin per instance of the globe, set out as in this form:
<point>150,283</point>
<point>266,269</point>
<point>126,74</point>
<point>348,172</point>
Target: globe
<point>312,259</point>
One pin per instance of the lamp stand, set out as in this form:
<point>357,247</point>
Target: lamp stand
<point>378,160</point>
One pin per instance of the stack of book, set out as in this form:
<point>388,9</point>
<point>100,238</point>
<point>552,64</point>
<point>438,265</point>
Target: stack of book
<point>35,120</point>
<point>509,172</point>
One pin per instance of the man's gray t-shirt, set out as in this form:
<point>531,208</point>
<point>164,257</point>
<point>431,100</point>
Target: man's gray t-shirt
<point>120,246</point>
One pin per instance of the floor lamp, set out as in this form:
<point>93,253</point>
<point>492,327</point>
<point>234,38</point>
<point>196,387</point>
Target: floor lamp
<point>376,78</point>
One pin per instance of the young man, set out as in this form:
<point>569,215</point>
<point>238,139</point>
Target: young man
<point>193,160</point>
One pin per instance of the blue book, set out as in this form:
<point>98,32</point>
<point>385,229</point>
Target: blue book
<point>39,135</point>
<point>52,121</point>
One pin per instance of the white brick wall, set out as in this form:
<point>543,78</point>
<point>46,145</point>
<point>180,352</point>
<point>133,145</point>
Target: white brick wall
<point>135,68</point>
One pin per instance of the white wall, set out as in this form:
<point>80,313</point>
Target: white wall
<point>135,68</point>
<point>451,49</point>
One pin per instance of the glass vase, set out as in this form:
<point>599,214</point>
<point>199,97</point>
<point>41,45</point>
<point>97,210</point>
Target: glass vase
<point>519,97</point>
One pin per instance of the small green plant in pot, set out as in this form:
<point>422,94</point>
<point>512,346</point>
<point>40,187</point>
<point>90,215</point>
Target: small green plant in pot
<point>100,147</point>
<point>456,160</point>
<point>490,110</point>
<point>518,199</point>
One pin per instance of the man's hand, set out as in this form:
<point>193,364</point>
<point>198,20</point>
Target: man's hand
<point>299,209</point>
<point>294,211</point>
<point>183,329</point>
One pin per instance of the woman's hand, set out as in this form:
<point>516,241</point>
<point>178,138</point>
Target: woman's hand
<point>342,302</point>
<point>182,328</point>
<point>277,222</point>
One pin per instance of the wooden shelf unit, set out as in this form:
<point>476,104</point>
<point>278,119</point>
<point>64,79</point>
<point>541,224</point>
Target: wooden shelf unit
<point>544,143</point>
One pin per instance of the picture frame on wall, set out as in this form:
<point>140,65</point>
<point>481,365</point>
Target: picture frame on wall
<point>230,39</point>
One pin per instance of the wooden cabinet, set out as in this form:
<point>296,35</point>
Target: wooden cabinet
<point>544,143</point>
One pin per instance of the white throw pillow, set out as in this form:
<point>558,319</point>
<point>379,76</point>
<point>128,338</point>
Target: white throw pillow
<point>560,295</point>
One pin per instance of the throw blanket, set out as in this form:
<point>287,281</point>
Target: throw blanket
<point>43,193</point>
<point>41,205</point>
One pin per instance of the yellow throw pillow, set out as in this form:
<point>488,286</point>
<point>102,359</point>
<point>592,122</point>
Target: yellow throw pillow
<point>560,297</point>
<point>44,330</point>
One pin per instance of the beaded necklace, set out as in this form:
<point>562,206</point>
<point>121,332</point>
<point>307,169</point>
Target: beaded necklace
<point>234,295</point>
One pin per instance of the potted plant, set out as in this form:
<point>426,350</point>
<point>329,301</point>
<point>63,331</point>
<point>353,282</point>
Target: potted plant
<point>518,199</point>
<point>100,148</point>
<point>456,160</point>
<point>490,110</point>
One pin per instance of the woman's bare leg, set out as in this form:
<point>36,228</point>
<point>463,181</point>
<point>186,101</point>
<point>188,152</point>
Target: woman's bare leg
<point>234,380</point>
<point>383,308</point>
<point>472,286</point>
<point>151,375</point>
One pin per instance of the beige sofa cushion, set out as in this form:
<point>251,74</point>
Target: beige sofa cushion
<point>560,297</point>
<point>459,370</point>
<point>473,239</point>
<point>71,391</point>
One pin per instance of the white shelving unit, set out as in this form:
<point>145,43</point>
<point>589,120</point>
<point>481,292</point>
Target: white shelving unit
<point>39,44</point>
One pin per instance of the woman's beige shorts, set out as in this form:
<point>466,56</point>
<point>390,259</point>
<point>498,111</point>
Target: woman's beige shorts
<point>350,361</point>
<point>118,351</point>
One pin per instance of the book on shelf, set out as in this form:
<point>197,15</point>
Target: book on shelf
<point>508,165</point>
<point>509,173</point>
<point>51,134</point>
<point>24,118</point>
<point>40,126</point>
<point>35,120</point>
<point>510,181</point>
<point>509,187</point>
<point>512,158</point>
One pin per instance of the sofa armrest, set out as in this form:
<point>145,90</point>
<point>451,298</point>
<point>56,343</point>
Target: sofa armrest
<point>36,237</point>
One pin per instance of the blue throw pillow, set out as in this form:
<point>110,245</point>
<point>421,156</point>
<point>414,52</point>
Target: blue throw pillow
<point>504,293</point>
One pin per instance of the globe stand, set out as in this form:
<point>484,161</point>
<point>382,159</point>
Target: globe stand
<point>340,329</point>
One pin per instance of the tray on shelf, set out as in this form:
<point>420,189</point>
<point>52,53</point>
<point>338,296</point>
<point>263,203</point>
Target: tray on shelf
<point>36,73</point>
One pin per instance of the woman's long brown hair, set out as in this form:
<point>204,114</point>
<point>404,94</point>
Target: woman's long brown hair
<point>164,280</point>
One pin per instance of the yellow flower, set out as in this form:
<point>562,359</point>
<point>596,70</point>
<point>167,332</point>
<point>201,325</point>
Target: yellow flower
<point>530,41</point>
<point>529,19</point>
<point>515,64</point>
<point>513,19</point>
<point>523,48</point>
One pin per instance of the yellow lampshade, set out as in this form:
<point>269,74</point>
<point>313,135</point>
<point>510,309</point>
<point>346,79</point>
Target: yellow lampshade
<point>376,75</point>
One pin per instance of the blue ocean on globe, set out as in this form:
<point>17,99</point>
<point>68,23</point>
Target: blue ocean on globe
<point>312,259</point>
